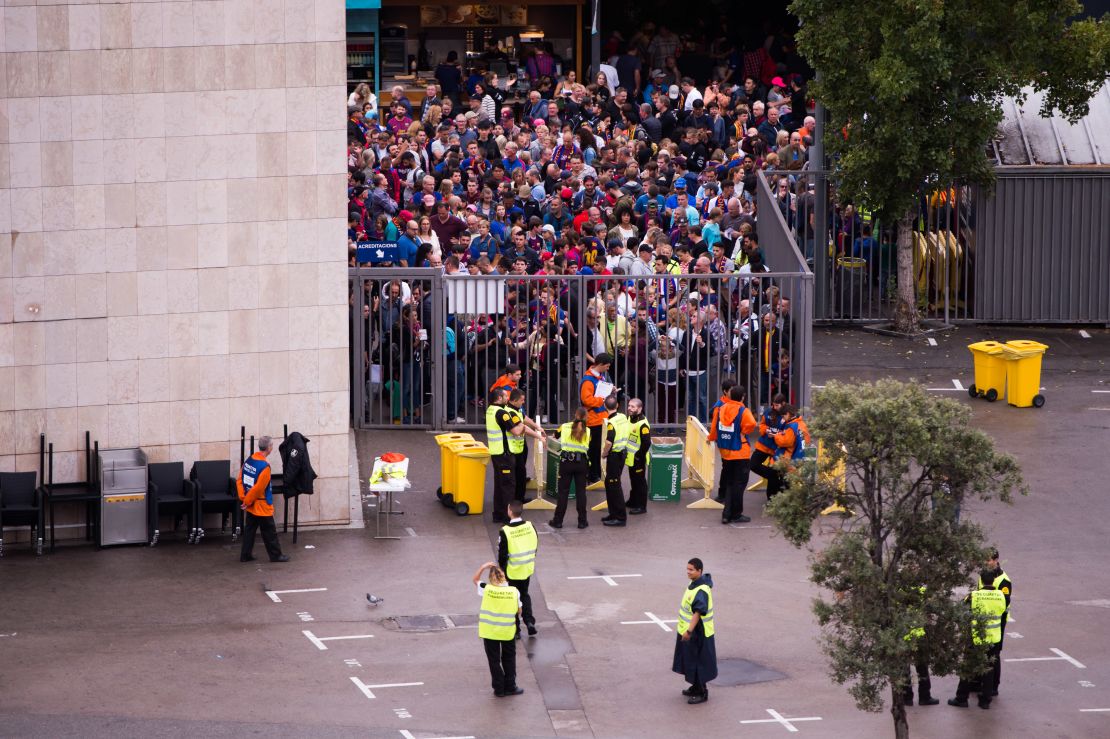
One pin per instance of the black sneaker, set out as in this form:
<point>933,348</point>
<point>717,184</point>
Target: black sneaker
<point>555,524</point>
<point>927,701</point>
<point>689,691</point>
<point>741,518</point>
<point>583,524</point>
<point>696,699</point>
<point>246,559</point>
<point>985,705</point>
<point>637,511</point>
<point>281,558</point>
<point>614,522</point>
<point>531,629</point>
<point>513,691</point>
<point>957,702</point>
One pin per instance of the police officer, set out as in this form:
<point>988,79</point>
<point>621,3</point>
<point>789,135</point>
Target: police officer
<point>522,426</point>
<point>573,468</point>
<point>499,432</point>
<point>988,607</point>
<point>1002,584</point>
<point>256,498</point>
<point>497,628</point>
<point>517,545</point>
<point>730,426</point>
<point>637,457</point>
<point>613,450</point>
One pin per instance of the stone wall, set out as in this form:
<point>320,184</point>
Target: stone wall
<point>172,231</point>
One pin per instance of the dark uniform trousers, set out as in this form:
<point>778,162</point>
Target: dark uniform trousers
<point>924,684</point>
<point>987,686</point>
<point>614,496</point>
<point>734,480</point>
<point>253,523</point>
<point>504,482</point>
<point>520,474</point>
<point>637,483</point>
<point>571,471</point>
<point>525,602</point>
<point>760,465</point>
<point>502,664</point>
<point>594,453</point>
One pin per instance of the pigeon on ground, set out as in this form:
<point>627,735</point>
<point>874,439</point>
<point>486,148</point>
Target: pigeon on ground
<point>373,599</point>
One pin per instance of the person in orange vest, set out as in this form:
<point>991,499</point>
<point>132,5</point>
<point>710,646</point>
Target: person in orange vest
<point>730,426</point>
<point>769,423</point>
<point>509,380</point>
<point>791,442</point>
<point>726,384</point>
<point>257,501</point>
<point>595,409</point>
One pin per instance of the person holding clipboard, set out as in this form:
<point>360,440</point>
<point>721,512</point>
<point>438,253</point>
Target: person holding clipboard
<point>592,392</point>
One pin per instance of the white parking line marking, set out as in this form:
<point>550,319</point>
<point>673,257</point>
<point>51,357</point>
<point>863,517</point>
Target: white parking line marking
<point>1061,656</point>
<point>274,593</point>
<point>1086,684</point>
<point>778,718</point>
<point>305,616</point>
<point>1100,391</point>
<point>607,578</point>
<point>402,713</point>
<point>932,341</point>
<point>1093,710</point>
<point>956,384</point>
<point>661,623</point>
<point>1098,409</point>
<point>352,663</point>
<point>409,735</point>
<point>1103,603</point>
<point>410,531</point>
<point>1084,334</point>
<point>1015,635</point>
<point>319,640</point>
<point>367,689</point>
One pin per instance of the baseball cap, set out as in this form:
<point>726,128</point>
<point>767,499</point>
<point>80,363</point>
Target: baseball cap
<point>566,193</point>
<point>778,82</point>
<point>673,92</point>
<point>548,227</point>
<point>406,215</point>
<point>657,73</point>
<point>546,255</point>
<point>680,183</point>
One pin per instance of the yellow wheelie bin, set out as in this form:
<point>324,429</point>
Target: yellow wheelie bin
<point>447,462</point>
<point>1023,372</point>
<point>470,477</point>
<point>990,370</point>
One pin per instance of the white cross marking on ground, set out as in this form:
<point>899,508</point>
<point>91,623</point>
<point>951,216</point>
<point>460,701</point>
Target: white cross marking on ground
<point>319,640</point>
<point>274,593</point>
<point>409,735</point>
<point>607,578</point>
<point>958,385</point>
<point>366,688</point>
<point>778,718</point>
<point>660,622</point>
<point>1060,656</point>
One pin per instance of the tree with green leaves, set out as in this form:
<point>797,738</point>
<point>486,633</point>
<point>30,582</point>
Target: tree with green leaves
<point>900,462</point>
<point>914,92</point>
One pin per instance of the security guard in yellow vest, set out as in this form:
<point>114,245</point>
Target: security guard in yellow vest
<point>988,607</point>
<point>499,440</point>
<point>1004,585</point>
<point>695,651</point>
<point>574,443</point>
<point>916,638</point>
<point>516,554</point>
<point>637,457</point>
<point>497,627</point>
<point>518,445</point>
<point>614,441</point>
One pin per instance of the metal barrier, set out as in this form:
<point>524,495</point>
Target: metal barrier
<point>854,256</point>
<point>426,347</point>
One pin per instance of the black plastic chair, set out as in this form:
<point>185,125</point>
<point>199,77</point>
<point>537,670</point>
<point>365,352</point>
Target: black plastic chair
<point>21,505</point>
<point>216,493</point>
<point>170,492</point>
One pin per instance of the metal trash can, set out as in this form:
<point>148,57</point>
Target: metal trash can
<point>990,370</point>
<point>665,469</point>
<point>1023,372</point>
<point>123,497</point>
<point>447,462</point>
<point>851,281</point>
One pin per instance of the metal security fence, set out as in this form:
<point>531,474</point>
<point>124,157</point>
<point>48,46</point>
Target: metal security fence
<point>853,255</point>
<point>427,347</point>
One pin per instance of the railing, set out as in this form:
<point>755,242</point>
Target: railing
<point>674,338</point>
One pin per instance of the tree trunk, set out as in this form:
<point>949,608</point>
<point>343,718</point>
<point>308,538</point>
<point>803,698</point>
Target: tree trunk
<point>898,711</point>
<point>905,312</point>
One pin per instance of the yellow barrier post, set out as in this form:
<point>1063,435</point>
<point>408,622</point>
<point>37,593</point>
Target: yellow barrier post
<point>837,475</point>
<point>700,464</point>
<point>539,471</point>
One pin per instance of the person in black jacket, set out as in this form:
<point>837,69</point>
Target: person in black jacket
<point>693,360</point>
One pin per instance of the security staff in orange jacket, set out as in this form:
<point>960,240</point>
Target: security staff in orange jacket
<point>730,426</point>
<point>595,409</point>
<point>791,442</point>
<point>257,500</point>
<point>727,384</point>
<point>769,425</point>
<point>508,381</point>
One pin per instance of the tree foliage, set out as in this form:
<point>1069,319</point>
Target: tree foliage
<point>900,461</point>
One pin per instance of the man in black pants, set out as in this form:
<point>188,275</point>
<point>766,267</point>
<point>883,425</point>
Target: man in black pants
<point>594,402</point>
<point>517,546</point>
<point>613,450</point>
<point>256,498</point>
<point>499,429</point>
<point>526,427</point>
<point>637,455</point>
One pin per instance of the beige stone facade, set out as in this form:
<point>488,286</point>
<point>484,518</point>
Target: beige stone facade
<point>172,215</point>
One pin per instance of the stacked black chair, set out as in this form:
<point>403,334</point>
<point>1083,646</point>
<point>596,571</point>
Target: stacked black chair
<point>170,492</point>
<point>21,505</point>
<point>216,493</point>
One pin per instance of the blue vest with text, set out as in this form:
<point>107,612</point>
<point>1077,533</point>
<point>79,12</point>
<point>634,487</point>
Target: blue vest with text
<point>252,468</point>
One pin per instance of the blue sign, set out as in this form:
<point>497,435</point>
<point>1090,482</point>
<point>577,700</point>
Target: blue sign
<point>377,251</point>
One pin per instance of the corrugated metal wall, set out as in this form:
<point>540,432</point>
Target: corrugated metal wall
<point>1042,247</point>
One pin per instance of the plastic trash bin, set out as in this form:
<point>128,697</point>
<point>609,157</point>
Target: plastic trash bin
<point>665,469</point>
<point>471,461</point>
<point>447,462</point>
<point>451,482</point>
<point>990,370</point>
<point>551,473</point>
<point>1023,372</point>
